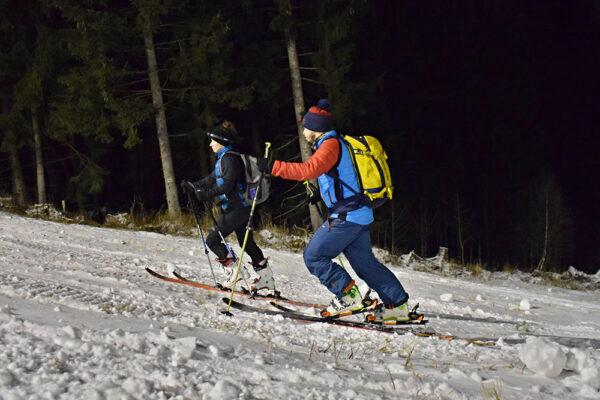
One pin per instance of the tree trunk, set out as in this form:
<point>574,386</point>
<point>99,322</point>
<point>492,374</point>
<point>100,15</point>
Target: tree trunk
<point>542,264</point>
<point>461,243</point>
<point>161,123</point>
<point>299,108</point>
<point>393,227</point>
<point>18,183</point>
<point>423,227</point>
<point>39,162</point>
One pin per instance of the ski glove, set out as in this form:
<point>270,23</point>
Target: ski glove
<point>187,187</point>
<point>312,193</point>
<point>265,165</point>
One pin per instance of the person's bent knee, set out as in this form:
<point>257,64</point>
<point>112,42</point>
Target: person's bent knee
<point>212,240</point>
<point>309,256</point>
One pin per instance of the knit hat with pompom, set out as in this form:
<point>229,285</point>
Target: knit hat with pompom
<point>318,118</point>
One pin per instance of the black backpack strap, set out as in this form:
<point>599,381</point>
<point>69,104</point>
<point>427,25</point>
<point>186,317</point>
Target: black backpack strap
<point>335,174</point>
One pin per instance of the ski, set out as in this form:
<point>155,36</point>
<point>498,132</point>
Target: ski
<point>415,318</point>
<point>275,297</point>
<point>276,302</point>
<point>380,327</point>
<point>408,326</point>
<point>370,305</point>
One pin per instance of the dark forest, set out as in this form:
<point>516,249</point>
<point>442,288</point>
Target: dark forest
<point>488,111</point>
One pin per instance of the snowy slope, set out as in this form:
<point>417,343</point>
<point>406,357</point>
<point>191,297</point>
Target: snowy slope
<point>80,318</point>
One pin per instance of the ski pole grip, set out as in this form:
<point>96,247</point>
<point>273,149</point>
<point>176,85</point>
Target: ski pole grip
<point>309,190</point>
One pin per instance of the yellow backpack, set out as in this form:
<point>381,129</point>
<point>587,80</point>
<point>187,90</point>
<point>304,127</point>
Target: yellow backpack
<point>371,167</point>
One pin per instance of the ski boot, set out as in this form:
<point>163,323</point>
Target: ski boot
<point>230,267</point>
<point>384,314</point>
<point>351,300</point>
<point>264,280</point>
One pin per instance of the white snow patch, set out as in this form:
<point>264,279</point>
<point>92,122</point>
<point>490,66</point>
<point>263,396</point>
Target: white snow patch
<point>525,305</point>
<point>172,270</point>
<point>447,297</point>
<point>224,389</point>
<point>543,357</point>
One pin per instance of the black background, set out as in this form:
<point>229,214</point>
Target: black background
<point>496,84</point>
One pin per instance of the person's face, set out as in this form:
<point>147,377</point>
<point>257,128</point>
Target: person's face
<point>310,136</point>
<point>215,146</point>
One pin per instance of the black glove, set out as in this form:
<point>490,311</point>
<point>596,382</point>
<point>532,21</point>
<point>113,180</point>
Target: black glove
<point>265,164</point>
<point>312,193</point>
<point>187,187</point>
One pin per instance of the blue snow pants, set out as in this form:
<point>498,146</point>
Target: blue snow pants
<point>337,236</point>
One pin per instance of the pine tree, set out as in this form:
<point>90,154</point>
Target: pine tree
<point>205,85</point>
<point>97,97</point>
<point>39,54</point>
<point>14,52</point>
<point>148,12</point>
<point>321,33</point>
<point>298,95</point>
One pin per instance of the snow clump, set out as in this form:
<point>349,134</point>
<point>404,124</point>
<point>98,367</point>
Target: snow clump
<point>525,305</point>
<point>543,357</point>
<point>447,297</point>
<point>579,361</point>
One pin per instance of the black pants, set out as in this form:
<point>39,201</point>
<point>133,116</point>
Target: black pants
<point>233,221</point>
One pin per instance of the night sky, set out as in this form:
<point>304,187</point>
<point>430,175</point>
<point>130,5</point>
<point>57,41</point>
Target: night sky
<point>505,82</point>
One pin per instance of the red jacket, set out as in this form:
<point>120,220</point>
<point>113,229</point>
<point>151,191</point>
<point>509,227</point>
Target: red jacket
<point>318,164</point>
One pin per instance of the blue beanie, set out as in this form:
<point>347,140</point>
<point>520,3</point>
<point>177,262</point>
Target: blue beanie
<point>318,118</point>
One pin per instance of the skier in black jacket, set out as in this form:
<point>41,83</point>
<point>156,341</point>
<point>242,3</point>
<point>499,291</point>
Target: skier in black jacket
<point>228,182</point>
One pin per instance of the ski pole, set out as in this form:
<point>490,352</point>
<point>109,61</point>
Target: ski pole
<point>248,227</point>
<point>193,205</point>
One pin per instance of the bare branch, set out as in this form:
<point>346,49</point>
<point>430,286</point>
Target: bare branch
<point>314,81</point>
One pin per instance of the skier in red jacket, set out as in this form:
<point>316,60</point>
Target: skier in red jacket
<point>346,229</point>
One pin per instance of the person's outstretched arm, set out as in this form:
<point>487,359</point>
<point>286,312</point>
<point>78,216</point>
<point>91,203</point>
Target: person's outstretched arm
<point>318,164</point>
